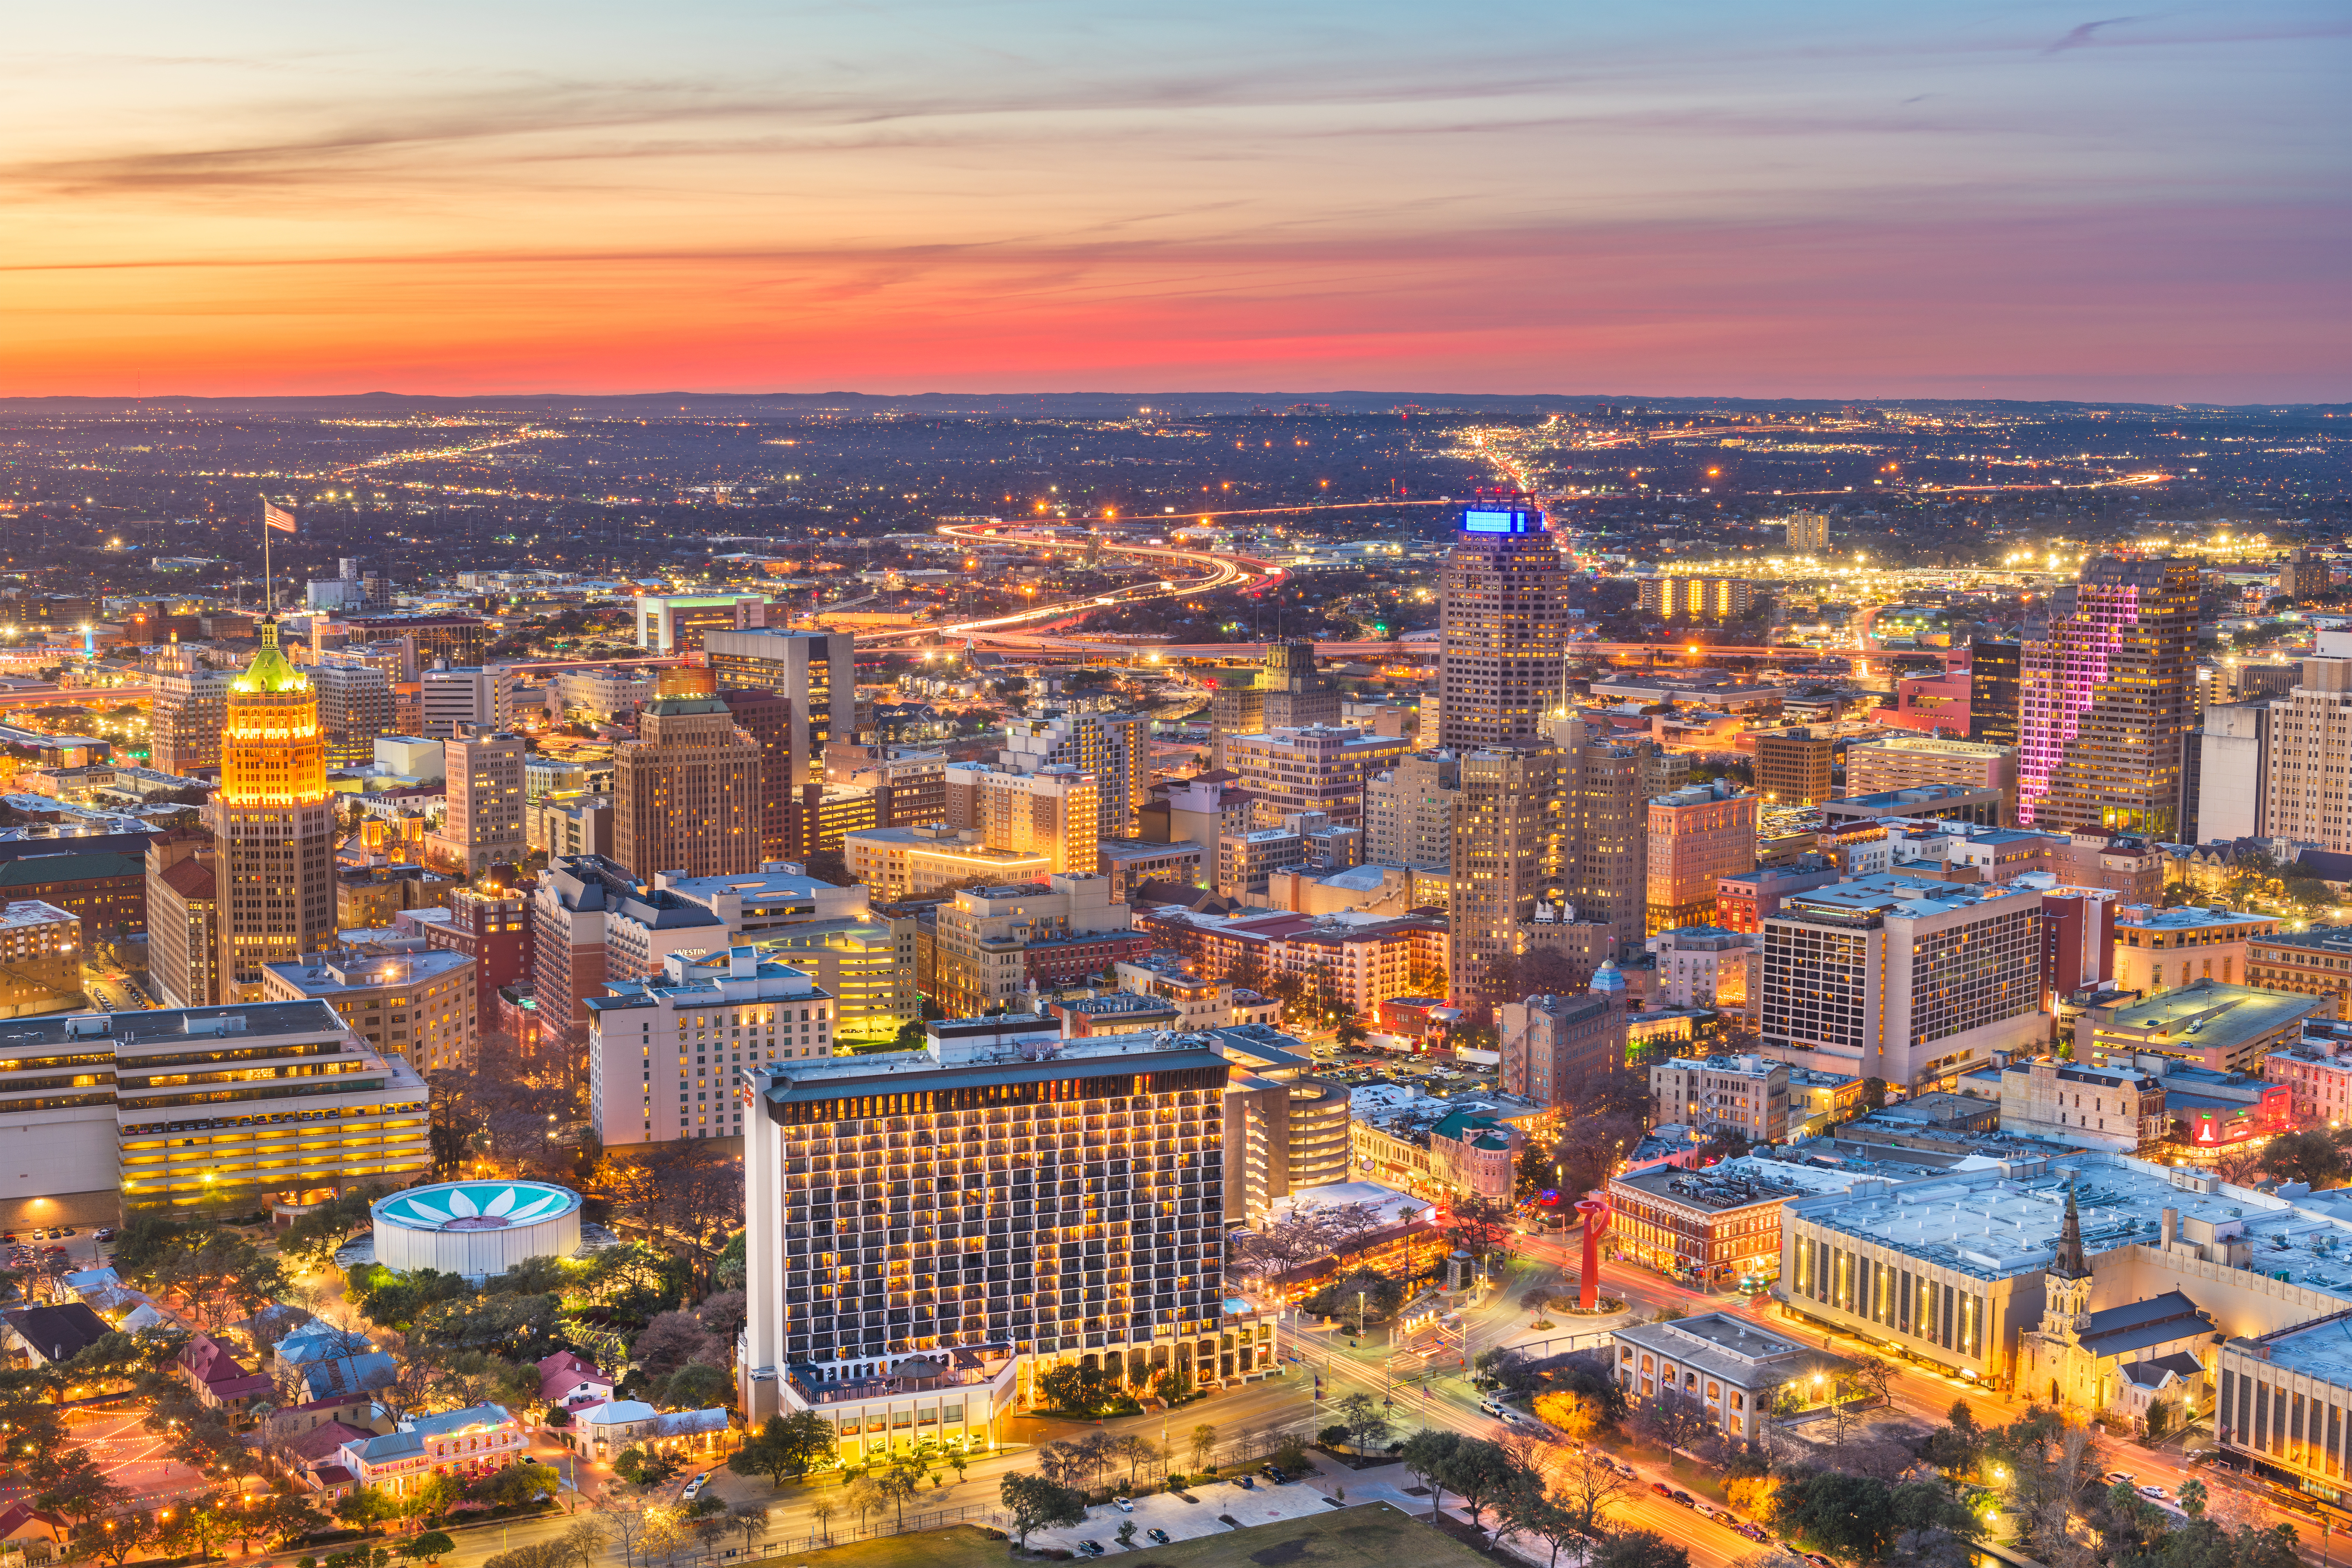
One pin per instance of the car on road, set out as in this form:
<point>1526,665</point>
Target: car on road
<point>2158,1493</point>
<point>1158,1534</point>
<point>1121,1504</point>
<point>694,1488</point>
<point>1684,1498</point>
<point>1753,1531</point>
<point>1661,1489</point>
<point>2117,1477</point>
<point>1818,1560</point>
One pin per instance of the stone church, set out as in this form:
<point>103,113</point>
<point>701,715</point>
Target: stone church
<point>2119,1359</point>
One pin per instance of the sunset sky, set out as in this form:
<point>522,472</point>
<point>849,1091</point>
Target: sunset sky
<point>1814,198</point>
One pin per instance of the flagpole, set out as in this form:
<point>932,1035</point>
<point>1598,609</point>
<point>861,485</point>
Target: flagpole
<point>268,591</point>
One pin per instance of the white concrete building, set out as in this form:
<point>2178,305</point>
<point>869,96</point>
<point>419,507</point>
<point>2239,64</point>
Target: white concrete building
<point>704,1025</point>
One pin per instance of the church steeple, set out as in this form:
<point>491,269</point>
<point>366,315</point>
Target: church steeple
<point>2069,1264</point>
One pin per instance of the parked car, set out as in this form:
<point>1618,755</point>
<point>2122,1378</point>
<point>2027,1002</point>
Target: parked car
<point>2158,1493</point>
<point>1091,1548</point>
<point>1246,1484</point>
<point>1818,1560</point>
<point>1753,1531</point>
<point>694,1488</point>
<point>1275,1473</point>
<point>1490,1407</point>
<point>64,1230</point>
<point>1159,1535</point>
<point>1684,1498</point>
<point>1661,1489</point>
<point>2117,1476</point>
<point>1123,1506</point>
<point>103,1233</point>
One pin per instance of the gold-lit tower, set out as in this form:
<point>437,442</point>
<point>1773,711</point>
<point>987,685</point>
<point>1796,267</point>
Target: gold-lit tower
<point>273,822</point>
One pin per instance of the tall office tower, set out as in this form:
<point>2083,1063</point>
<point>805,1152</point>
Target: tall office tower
<point>1908,762</point>
<point>961,1199</point>
<point>457,641</point>
<point>2233,775</point>
<point>734,1004</point>
<point>1608,787</point>
<point>1697,835</point>
<point>183,734</point>
<point>767,717</point>
<point>686,792</point>
<point>1993,693</point>
<point>1809,533</point>
<point>1409,812</point>
<point>1681,598</point>
<point>1285,694</point>
<point>1792,767</point>
<point>1052,812</point>
<point>484,825</point>
<point>1503,618</point>
<point>449,697</point>
<point>273,822</point>
<point>815,672</point>
<point>1114,747</point>
<point>1506,855</point>
<point>1323,768</point>
<point>1914,986</point>
<point>2308,758</point>
<point>183,945</point>
<point>2103,709</point>
<point>684,623</point>
<point>355,707</point>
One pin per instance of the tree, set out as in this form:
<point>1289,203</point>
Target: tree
<point>2308,1156</point>
<point>2193,1497</point>
<point>1367,1423</point>
<point>1204,1442</point>
<point>1478,1224</point>
<point>786,1446</point>
<point>898,1483</point>
<point>1569,1415</point>
<point>1639,1549</point>
<point>698,1386</point>
<point>1426,1455</point>
<point>626,1521</point>
<point>112,1540</point>
<point>1138,1451</point>
<point>69,1482</point>
<point>1375,1295</point>
<point>748,1519</point>
<point>1478,1471</point>
<point>1587,1486</point>
<point>821,1512</point>
<point>1035,1501</point>
<point>672,1339</point>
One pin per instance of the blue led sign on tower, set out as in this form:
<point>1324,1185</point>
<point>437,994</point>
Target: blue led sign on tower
<point>1501,520</point>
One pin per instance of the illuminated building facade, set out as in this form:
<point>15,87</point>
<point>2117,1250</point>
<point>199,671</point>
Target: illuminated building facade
<point>722,1017</point>
<point>272,823</point>
<point>1059,1200</point>
<point>1052,812</point>
<point>686,792</point>
<point>1697,598</point>
<point>1503,620</point>
<point>2105,701</point>
<point>2305,755</point>
<point>815,672</point>
<point>1697,835</point>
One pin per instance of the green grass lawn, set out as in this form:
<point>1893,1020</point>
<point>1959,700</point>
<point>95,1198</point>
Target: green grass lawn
<point>1373,1535</point>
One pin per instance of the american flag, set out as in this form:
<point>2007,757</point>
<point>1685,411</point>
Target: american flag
<point>277,517</point>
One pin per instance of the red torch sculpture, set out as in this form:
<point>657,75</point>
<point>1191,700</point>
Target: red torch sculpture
<point>1595,1213</point>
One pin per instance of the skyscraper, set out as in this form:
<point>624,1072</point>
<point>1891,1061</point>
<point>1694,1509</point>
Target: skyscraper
<point>183,734</point>
<point>1116,748</point>
<point>1502,620</point>
<point>1792,767</point>
<point>1506,855</point>
<point>2304,758</point>
<point>1287,694</point>
<point>1993,692</point>
<point>272,823</point>
<point>687,792</point>
<point>2105,701</point>
<point>767,717</point>
<point>1605,866</point>
<point>815,672</point>
<point>484,791</point>
<point>355,707</point>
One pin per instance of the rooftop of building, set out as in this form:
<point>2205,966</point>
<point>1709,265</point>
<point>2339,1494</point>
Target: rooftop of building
<point>27,913</point>
<point>342,972</point>
<point>688,982</point>
<point>1996,1222</point>
<point>1939,745</point>
<point>1124,849</point>
<point>264,1019</point>
<point>2188,917</point>
<point>1867,898</point>
<point>2333,939</point>
<point>768,882</point>
<point>1711,937</point>
<point>1733,1348</point>
<point>987,1064</point>
<point>1742,1066</point>
<point>1913,796</point>
<point>1738,1182</point>
<point>2203,1016</point>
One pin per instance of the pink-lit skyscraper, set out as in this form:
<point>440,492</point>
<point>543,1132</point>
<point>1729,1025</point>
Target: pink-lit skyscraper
<point>2105,701</point>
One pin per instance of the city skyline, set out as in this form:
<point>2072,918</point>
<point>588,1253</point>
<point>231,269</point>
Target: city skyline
<point>1816,202</point>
